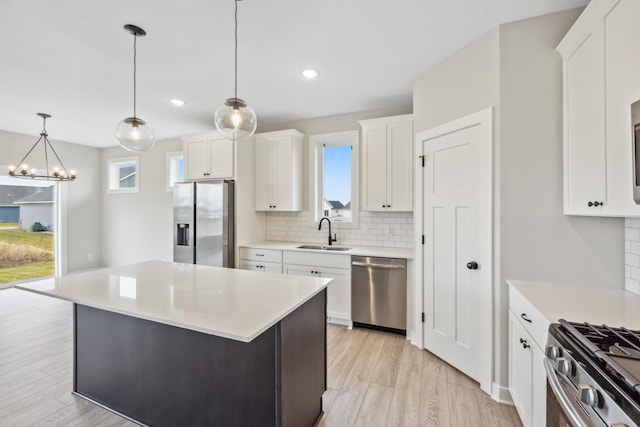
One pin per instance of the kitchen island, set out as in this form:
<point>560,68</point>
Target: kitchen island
<point>165,343</point>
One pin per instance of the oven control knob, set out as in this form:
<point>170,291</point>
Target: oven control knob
<point>588,395</point>
<point>563,365</point>
<point>552,352</point>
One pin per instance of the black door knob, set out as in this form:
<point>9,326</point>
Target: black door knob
<point>472,265</point>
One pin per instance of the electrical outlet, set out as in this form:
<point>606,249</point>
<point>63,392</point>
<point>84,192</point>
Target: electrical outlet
<point>90,257</point>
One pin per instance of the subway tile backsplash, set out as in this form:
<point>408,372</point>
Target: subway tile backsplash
<point>632,254</point>
<point>386,229</point>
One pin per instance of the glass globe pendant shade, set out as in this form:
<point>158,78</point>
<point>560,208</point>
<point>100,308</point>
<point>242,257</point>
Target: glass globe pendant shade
<point>135,134</point>
<point>235,119</point>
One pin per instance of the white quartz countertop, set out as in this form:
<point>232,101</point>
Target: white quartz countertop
<point>372,251</point>
<point>613,307</point>
<point>230,303</point>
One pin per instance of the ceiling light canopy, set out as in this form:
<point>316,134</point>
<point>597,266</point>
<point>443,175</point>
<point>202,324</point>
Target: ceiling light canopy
<point>133,133</point>
<point>56,173</point>
<point>177,102</point>
<point>310,73</point>
<point>235,119</point>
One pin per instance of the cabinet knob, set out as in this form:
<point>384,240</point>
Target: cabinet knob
<point>524,343</point>
<point>595,204</point>
<point>472,265</point>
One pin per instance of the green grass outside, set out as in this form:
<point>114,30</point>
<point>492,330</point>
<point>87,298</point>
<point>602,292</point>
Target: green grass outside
<point>24,237</point>
<point>34,259</point>
<point>8,225</point>
<point>26,272</point>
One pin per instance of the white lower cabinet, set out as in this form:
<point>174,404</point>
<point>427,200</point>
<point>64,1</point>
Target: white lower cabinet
<point>527,376</point>
<point>266,260</point>
<point>331,266</point>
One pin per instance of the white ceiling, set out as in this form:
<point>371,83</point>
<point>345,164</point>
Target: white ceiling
<point>73,60</point>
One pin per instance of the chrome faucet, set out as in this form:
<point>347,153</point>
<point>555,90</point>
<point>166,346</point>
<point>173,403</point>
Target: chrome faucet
<point>335,236</point>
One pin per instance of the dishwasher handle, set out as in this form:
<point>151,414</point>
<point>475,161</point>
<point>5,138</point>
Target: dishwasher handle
<point>388,266</point>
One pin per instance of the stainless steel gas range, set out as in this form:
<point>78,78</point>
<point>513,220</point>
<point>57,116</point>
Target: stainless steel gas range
<point>593,375</point>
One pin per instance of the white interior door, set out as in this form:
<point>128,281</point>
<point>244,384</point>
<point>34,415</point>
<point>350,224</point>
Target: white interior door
<point>457,258</point>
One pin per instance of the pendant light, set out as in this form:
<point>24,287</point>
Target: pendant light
<point>235,119</point>
<point>133,133</point>
<point>57,173</point>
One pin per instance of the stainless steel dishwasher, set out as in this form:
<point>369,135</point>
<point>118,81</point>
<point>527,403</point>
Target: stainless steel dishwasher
<point>379,293</point>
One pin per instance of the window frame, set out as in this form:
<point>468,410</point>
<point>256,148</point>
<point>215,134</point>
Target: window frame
<point>316,143</point>
<point>172,177</point>
<point>113,166</point>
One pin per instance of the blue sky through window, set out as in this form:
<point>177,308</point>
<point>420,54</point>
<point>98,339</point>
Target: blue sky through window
<point>336,173</point>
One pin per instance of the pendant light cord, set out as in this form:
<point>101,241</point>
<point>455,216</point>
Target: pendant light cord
<point>236,52</point>
<point>135,38</point>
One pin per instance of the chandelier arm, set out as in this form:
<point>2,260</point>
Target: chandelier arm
<point>46,140</point>
<point>29,152</point>
<point>46,155</point>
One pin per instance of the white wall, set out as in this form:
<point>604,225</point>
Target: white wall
<point>138,226</point>
<point>516,70</point>
<point>80,200</point>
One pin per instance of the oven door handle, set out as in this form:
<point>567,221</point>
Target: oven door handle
<point>554,382</point>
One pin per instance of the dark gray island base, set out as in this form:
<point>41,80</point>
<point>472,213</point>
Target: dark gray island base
<point>162,375</point>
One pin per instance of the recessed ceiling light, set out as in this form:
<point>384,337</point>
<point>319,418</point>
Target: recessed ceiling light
<point>310,73</point>
<point>177,102</point>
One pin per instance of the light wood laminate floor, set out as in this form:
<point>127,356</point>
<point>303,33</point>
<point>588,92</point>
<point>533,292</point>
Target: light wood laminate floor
<point>374,378</point>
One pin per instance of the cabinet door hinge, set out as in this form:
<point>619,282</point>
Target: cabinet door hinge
<point>422,158</point>
<point>423,317</point>
<point>423,239</point>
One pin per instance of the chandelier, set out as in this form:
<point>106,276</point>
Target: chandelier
<point>56,173</point>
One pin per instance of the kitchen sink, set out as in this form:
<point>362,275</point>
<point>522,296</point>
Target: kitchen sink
<point>324,248</point>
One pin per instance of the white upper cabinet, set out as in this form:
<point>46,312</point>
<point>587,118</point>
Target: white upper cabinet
<point>585,148</point>
<point>387,164</point>
<point>601,62</point>
<point>278,170</point>
<point>208,156</point>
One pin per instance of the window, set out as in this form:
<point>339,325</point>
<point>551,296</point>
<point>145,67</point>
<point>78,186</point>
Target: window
<point>334,157</point>
<point>175,168</point>
<point>123,175</point>
<point>29,238</point>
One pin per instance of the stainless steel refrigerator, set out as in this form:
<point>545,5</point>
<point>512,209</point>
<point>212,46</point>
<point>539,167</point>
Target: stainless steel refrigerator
<point>203,223</point>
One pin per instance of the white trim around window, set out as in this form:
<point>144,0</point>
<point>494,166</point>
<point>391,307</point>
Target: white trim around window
<point>174,160</point>
<point>123,175</point>
<point>316,144</point>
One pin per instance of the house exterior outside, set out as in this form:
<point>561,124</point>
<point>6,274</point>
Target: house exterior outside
<point>37,207</point>
<point>10,212</point>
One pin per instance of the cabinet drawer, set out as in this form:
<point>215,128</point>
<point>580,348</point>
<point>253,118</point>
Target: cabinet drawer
<point>268,267</point>
<point>266,255</point>
<point>317,259</point>
<point>531,319</point>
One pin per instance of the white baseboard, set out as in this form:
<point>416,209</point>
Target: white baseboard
<point>339,321</point>
<point>501,394</point>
